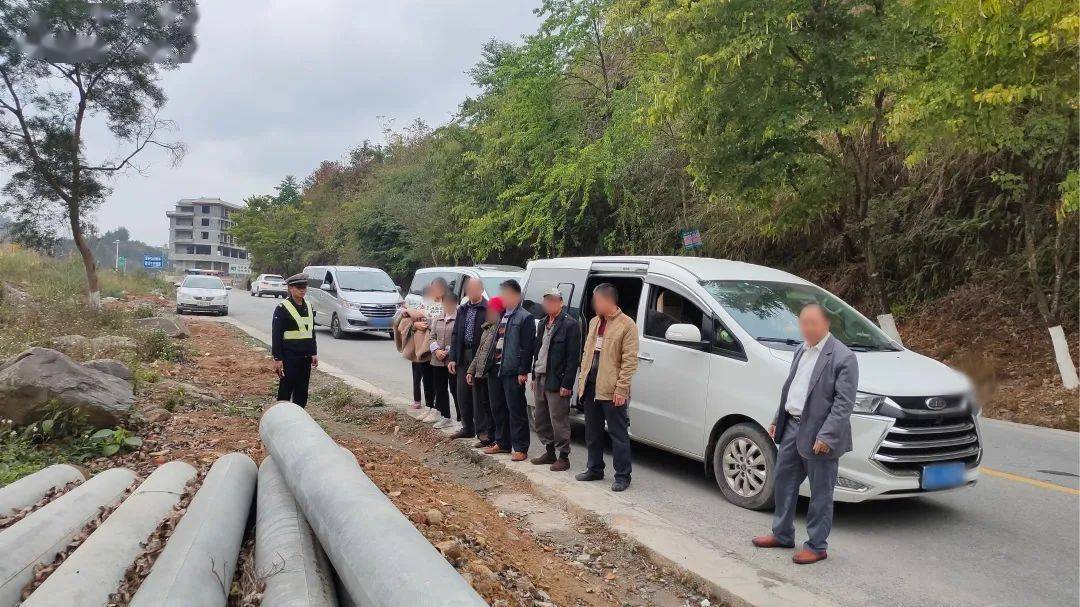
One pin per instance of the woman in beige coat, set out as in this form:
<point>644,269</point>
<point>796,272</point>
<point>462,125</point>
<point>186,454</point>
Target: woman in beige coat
<point>440,334</point>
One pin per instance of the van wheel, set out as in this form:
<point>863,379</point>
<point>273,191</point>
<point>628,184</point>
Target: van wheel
<point>335,327</point>
<point>744,463</point>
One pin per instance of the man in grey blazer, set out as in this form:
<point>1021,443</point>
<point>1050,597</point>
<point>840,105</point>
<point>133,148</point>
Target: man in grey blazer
<point>813,428</point>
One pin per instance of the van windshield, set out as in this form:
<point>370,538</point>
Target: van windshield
<point>352,280</point>
<point>769,311</point>
<point>491,283</point>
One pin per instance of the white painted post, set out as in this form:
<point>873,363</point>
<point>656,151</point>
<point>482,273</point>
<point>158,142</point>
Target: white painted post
<point>888,325</point>
<point>1064,358</point>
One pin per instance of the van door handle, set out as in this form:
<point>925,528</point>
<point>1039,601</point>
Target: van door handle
<point>646,358</point>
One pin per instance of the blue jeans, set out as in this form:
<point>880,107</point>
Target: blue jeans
<point>791,470</point>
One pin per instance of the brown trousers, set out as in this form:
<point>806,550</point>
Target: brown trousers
<point>551,417</point>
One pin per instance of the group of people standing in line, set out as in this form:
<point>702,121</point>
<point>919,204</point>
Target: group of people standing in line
<point>483,354</point>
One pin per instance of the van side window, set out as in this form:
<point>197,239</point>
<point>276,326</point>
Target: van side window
<point>315,279</point>
<point>724,342</point>
<point>329,279</point>
<point>539,281</point>
<point>666,308</point>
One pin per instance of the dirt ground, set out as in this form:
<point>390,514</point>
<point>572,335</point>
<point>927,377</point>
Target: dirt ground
<point>515,546</point>
<point>992,337</point>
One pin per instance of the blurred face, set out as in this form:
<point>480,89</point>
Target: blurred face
<point>813,324</point>
<point>510,297</point>
<point>603,305</point>
<point>474,289</point>
<point>552,306</point>
<point>493,314</point>
<point>449,305</point>
<point>436,290</point>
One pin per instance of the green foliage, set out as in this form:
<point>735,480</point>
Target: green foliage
<point>157,345</point>
<point>57,422</point>
<point>112,441</point>
<point>889,149</point>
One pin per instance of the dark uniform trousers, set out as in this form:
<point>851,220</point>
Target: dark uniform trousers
<point>293,385</point>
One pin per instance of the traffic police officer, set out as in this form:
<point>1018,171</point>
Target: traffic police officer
<point>293,343</point>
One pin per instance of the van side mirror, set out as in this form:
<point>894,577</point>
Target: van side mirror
<point>228,287</point>
<point>683,334</point>
<point>329,288</point>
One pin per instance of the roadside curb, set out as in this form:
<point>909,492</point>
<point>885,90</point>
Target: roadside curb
<point>733,580</point>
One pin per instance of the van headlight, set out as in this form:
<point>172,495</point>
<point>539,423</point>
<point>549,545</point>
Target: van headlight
<point>868,403</point>
<point>353,305</point>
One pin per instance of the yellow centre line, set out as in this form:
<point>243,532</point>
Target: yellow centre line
<point>1030,481</point>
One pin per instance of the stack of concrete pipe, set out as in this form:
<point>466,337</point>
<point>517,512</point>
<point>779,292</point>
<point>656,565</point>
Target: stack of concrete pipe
<point>204,546</point>
<point>380,559</point>
<point>326,536</point>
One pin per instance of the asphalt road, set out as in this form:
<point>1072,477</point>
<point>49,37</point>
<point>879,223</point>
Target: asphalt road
<point>1013,539</point>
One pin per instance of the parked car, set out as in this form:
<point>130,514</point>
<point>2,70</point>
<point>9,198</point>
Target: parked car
<point>717,340</point>
<point>352,299</point>
<point>202,294</point>
<point>490,275</point>
<point>269,284</point>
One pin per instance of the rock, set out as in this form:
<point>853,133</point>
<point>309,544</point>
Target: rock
<point>112,367</point>
<point>109,300</point>
<point>583,557</point>
<point>433,516</point>
<point>178,392</point>
<point>29,381</point>
<point>171,325</point>
<point>12,294</point>
<point>451,549</point>
<point>73,345</point>
<point>106,345</point>
<point>155,414</point>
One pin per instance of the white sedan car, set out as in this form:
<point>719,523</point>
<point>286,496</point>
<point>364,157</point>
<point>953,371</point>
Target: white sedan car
<point>269,284</point>
<point>202,294</point>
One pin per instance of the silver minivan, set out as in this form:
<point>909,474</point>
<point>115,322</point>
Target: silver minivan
<point>491,275</point>
<point>352,299</point>
<point>717,339</point>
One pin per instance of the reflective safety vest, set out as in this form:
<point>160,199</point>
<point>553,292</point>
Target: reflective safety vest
<point>304,324</point>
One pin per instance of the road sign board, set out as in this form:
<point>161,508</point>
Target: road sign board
<point>153,261</point>
<point>691,239</point>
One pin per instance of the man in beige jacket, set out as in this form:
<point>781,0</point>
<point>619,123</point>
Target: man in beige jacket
<point>607,366</point>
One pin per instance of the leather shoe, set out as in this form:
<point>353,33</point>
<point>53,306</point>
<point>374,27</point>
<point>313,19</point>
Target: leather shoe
<point>547,458</point>
<point>494,449</point>
<point>560,465</point>
<point>589,475</point>
<point>769,541</point>
<point>620,485</point>
<point>482,444</point>
<point>460,434</point>
<point>518,456</point>
<point>807,556</point>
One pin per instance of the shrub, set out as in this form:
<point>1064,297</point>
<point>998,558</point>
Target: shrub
<point>157,345</point>
<point>112,441</point>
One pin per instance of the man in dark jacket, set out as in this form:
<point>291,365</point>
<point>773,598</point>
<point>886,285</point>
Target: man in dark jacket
<point>472,402</point>
<point>555,365</point>
<point>293,342</point>
<point>511,364</point>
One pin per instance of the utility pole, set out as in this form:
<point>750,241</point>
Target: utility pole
<point>117,268</point>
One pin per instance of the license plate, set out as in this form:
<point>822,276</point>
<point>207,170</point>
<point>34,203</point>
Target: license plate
<point>943,476</point>
<point>380,322</point>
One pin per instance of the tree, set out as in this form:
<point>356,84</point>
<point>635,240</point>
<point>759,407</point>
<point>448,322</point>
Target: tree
<point>1000,80</point>
<point>52,88</point>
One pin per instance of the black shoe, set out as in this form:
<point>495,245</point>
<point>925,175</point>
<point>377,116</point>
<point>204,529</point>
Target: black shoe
<point>461,434</point>
<point>620,485</point>
<point>546,459</point>
<point>589,475</point>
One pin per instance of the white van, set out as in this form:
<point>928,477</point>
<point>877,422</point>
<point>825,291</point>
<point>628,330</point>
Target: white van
<point>491,275</point>
<point>352,299</point>
<point>717,339</point>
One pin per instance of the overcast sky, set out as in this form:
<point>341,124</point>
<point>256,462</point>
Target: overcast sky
<point>278,86</point>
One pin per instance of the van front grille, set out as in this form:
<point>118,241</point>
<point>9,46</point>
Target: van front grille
<point>378,310</point>
<point>913,442</point>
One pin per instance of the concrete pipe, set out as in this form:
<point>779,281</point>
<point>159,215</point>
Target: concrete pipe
<point>29,489</point>
<point>39,537</point>
<point>382,560</point>
<point>286,551</point>
<point>96,568</point>
<point>199,560</point>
